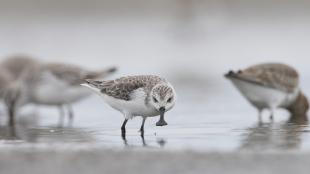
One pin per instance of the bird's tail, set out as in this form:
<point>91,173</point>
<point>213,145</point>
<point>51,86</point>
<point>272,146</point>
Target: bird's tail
<point>100,74</point>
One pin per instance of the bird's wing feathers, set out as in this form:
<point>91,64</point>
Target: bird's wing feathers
<point>75,75</point>
<point>68,73</point>
<point>278,76</point>
<point>122,88</point>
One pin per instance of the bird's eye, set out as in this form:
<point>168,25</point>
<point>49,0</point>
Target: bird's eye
<point>155,100</point>
<point>169,100</point>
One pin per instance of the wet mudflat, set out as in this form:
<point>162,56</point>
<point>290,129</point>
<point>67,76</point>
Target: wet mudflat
<point>216,132</point>
<point>221,123</point>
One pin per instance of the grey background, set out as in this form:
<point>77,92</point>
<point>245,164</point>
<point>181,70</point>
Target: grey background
<point>203,37</point>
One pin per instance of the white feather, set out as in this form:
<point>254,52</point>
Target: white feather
<point>264,97</point>
<point>53,91</point>
<point>134,107</point>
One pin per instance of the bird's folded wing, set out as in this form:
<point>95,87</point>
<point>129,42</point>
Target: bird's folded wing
<point>123,87</point>
<point>67,73</point>
<point>276,76</point>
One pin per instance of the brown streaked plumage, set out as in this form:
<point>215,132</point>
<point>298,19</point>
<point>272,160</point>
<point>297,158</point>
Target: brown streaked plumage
<point>274,75</point>
<point>121,88</point>
<point>162,90</point>
<point>143,95</point>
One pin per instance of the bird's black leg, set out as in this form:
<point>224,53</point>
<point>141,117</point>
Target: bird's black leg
<point>11,116</point>
<point>71,114</point>
<point>124,138</point>
<point>271,115</point>
<point>142,126</point>
<point>124,125</point>
<point>61,116</point>
<point>143,140</point>
<point>260,116</point>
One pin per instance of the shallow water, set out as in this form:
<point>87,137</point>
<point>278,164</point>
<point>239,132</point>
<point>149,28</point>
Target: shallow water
<point>216,121</point>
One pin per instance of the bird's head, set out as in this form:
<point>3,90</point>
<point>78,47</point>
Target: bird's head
<point>163,98</point>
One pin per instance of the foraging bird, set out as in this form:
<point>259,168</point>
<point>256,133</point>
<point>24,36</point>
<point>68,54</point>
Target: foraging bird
<point>143,95</point>
<point>271,86</point>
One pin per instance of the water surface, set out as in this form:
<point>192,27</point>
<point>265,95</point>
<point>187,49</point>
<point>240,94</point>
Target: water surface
<point>211,122</point>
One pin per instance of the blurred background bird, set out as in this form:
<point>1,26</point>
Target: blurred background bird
<point>29,81</point>
<point>271,86</point>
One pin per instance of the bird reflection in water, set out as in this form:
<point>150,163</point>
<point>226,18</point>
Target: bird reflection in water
<point>161,142</point>
<point>8,133</point>
<point>18,131</point>
<point>26,129</point>
<point>275,136</point>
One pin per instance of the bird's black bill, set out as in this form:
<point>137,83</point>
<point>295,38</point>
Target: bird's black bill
<point>162,121</point>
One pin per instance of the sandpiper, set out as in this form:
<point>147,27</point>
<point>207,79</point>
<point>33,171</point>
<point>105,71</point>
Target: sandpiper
<point>271,86</point>
<point>59,85</point>
<point>5,81</point>
<point>143,95</point>
<point>53,84</point>
<point>20,74</point>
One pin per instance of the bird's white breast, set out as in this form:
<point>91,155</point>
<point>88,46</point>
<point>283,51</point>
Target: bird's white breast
<point>53,91</point>
<point>265,97</point>
<point>135,107</point>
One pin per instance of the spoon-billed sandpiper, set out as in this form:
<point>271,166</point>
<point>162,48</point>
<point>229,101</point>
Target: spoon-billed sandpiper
<point>144,95</point>
<point>271,86</point>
